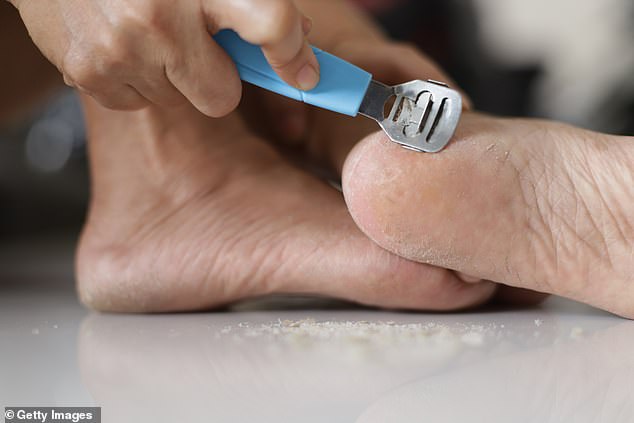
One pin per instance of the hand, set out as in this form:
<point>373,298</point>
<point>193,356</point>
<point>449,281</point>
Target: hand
<point>128,54</point>
<point>325,136</point>
<point>527,203</point>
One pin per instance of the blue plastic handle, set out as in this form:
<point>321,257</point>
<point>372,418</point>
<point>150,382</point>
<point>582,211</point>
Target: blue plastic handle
<point>342,86</point>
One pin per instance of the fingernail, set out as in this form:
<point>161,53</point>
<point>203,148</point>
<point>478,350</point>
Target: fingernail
<point>307,78</point>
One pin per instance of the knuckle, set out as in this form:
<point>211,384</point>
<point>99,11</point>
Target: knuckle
<point>143,16</point>
<point>110,63</point>
<point>112,53</point>
<point>80,70</point>
<point>102,59</point>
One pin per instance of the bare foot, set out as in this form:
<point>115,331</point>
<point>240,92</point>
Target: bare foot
<point>527,203</point>
<point>189,212</point>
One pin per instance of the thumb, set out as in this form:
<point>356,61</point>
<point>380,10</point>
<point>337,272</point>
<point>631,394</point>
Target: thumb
<point>279,27</point>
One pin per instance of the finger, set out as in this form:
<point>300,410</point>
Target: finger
<point>158,90</point>
<point>118,97</point>
<point>279,27</point>
<point>203,72</point>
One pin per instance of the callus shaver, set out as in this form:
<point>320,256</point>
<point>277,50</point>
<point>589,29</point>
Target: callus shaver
<point>418,115</point>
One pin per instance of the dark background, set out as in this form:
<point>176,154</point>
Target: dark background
<point>43,174</point>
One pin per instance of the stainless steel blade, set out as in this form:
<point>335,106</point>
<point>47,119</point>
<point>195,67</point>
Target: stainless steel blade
<point>423,117</point>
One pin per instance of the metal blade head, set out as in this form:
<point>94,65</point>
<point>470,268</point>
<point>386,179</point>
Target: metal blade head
<point>424,115</point>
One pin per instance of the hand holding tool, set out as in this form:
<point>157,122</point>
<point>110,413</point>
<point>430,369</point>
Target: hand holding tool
<point>423,116</point>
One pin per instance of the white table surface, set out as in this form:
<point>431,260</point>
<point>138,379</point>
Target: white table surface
<point>268,361</point>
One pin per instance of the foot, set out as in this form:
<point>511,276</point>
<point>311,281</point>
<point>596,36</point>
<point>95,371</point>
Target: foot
<point>527,203</point>
<point>190,213</point>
